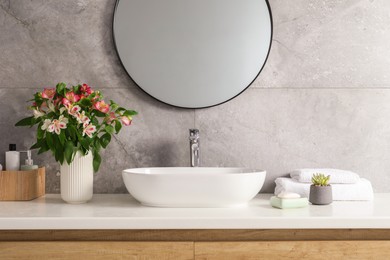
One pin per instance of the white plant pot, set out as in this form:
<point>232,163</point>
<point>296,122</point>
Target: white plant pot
<point>77,179</point>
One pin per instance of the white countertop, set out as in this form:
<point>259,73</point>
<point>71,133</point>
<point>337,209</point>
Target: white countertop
<point>121,211</point>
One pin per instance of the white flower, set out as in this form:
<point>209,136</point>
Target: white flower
<point>83,119</point>
<point>73,110</point>
<point>46,124</point>
<point>63,119</point>
<point>51,106</point>
<point>89,130</point>
<point>57,125</point>
<point>62,109</point>
<point>38,113</point>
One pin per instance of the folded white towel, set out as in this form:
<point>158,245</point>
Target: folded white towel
<point>336,176</point>
<point>361,190</point>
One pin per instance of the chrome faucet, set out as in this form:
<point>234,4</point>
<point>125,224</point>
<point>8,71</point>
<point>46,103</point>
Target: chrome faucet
<point>194,147</point>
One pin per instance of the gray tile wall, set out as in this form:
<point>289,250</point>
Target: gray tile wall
<point>322,100</point>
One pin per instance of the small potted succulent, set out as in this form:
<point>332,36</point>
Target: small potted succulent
<point>320,190</point>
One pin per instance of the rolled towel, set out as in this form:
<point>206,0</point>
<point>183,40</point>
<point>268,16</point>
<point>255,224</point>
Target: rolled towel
<point>336,176</point>
<point>362,190</point>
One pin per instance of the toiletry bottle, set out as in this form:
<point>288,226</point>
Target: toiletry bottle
<point>29,165</point>
<point>12,159</point>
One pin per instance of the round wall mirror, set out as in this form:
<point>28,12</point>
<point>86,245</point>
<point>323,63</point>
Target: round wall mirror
<point>193,53</point>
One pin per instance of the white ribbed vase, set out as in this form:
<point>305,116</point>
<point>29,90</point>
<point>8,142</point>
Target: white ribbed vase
<point>77,179</point>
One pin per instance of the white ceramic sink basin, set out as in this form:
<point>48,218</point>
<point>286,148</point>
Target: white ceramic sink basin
<point>193,187</point>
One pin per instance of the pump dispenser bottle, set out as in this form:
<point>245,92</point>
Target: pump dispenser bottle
<point>29,165</point>
<point>12,159</point>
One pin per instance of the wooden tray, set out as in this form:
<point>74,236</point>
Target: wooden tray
<point>22,185</point>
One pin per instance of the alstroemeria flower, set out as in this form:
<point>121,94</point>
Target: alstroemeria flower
<point>57,101</point>
<point>62,109</point>
<point>73,110</point>
<point>89,130</point>
<point>101,106</point>
<point>126,120</point>
<point>46,124</point>
<point>57,125</point>
<point>111,117</point>
<point>72,97</point>
<point>86,89</point>
<point>65,102</point>
<point>48,93</point>
<point>38,113</point>
<point>82,118</point>
<point>51,106</point>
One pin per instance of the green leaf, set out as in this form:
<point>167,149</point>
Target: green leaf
<point>99,114</point>
<point>109,129</point>
<point>40,132</point>
<point>82,151</point>
<point>72,132</point>
<point>60,88</point>
<point>120,109</point>
<point>68,151</point>
<point>95,121</point>
<point>113,105</point>
<point>28,121</point>
<point>118,126</point>
<point>130,113</point>
<point>86,102</point>
<point>96,161</point>
<point>76,89</point>
<point>59,156</point>
<point>105,140</point>
<point>36,145</point>
<point>44,147</point>
<point>62,137</point>
<point>50,142</point>
<point>85,142</point>
<point>59,149</point>
<point>97,144</point>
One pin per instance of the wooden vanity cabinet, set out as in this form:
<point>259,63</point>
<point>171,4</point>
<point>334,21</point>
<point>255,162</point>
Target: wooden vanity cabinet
<point>196,244</point>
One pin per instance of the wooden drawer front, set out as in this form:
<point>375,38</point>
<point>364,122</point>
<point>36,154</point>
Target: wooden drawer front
<point>96,250</point>
<point>293,250</point>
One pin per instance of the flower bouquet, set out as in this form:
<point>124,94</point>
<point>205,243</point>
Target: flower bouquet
<point>75,119</point>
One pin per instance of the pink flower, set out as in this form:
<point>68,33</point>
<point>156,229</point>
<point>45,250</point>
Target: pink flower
<point>89,130</point>
<point>82,119</point>
<point>72,97</point>
<point>57,101</point>
<point>65,102</point>
<point>86,89</point>
<point>101,106</point>
<point>57,125</point>
<point>73,110</point>
<point>126,120</point>
<point>48,93</point>
<point>111,117</point>
<point>96,97</point>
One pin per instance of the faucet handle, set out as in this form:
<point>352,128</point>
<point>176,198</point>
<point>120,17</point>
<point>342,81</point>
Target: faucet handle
<point>194,134</point>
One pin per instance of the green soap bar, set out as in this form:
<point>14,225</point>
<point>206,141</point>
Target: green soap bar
<point>288,203</point>
<point>28,167</point>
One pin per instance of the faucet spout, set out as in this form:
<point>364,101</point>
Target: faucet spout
<point>194,148</point>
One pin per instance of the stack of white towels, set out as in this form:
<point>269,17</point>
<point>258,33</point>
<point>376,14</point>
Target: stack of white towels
<point>346,185</point>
